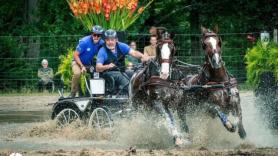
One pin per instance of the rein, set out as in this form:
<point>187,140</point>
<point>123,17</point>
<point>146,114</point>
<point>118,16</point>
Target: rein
<point>157,81</point>
<point>227,84</point>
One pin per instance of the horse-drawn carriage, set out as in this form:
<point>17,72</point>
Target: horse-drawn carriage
<point>97,109</point>
<point>162,85</point>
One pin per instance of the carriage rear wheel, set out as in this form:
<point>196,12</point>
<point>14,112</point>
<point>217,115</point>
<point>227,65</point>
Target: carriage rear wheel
<point>100,119</point>
<point>67,116</point>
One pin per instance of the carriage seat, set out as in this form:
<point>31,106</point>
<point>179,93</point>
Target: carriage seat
<point>109,84</point>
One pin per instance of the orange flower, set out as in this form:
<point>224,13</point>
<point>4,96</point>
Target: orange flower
<point>134,6</point>
<point>97,8</point>
<point>100,12</point>
<point>114,7</point>
<point>91,7</point>
<point>129,6</point>
<point>140,10</point>
<point>84,7</point>
<point>120,3</point>
<point>74,7</point>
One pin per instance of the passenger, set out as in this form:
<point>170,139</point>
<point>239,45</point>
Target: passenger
<point>46,76</point>
<point>111,60</point>
<point>83,56</point>
<point>151,49</point>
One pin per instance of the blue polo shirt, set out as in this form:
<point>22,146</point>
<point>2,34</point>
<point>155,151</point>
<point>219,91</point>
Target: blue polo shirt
<point>102,57</point>
<point>87,49</point>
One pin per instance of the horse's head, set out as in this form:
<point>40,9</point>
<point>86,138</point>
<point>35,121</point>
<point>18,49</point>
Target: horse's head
<point>165,53</point>
<point>211,43</point>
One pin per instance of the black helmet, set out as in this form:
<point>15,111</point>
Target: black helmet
<point>97,29</point>
<point>110,33</point>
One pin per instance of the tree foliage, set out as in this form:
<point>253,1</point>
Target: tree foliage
<point>53,17</point>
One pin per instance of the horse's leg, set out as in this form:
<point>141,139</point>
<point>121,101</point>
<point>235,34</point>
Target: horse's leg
<point>181,110</point>
<point>235,102</point>
<point>217,98</point>
<point>170,121</point>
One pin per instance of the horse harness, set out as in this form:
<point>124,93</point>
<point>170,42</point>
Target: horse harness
<point>210,34</point>
<point>232,82</point>
<point>153,79</point>
<point>159,47</point>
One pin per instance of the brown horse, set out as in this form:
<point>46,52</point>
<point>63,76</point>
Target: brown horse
<point>151,88</point>
<point>222,101</point>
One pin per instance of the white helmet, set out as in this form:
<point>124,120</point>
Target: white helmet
<point>44,61</point>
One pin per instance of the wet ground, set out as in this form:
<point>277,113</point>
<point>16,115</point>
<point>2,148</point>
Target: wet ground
<point>26,128</point>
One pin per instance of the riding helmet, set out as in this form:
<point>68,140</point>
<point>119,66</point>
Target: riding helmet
<point>110,33</point>
<point>97,29</point>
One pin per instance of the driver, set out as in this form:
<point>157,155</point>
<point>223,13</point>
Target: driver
<point>111,59</point>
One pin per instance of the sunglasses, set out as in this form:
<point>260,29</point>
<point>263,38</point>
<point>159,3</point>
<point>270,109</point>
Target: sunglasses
<point>96,35</point>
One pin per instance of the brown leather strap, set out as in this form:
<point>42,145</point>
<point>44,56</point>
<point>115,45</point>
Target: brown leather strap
<point>157,81</point>
<point>166,61</point>
<point>170,41</point>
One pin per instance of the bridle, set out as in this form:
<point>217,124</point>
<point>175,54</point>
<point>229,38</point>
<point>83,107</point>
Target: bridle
<point>204,46</point>
<point>170,42</point>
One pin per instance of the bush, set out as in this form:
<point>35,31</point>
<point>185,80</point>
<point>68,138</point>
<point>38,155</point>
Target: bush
<point>65,71</point>
<point>260,59</point>
<point>262,72</point>
<point>64,68</point>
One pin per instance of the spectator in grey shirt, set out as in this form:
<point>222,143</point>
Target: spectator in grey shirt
<point>46,76</point>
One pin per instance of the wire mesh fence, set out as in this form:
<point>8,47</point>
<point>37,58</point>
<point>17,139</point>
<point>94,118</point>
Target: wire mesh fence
<point>21,56</point>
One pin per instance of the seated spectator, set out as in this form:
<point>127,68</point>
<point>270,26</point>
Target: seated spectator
<point>151,49</point>
<point>132,60</point>
<point>46,76</point>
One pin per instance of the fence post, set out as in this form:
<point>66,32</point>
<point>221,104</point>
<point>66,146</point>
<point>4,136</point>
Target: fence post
<point>275,35</point>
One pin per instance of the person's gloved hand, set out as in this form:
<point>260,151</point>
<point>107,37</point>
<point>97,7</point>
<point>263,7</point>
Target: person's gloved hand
<point>83,69</point>
<point>145,58</point>
<point>111,65</point>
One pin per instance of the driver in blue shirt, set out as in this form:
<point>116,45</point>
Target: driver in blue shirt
<point>111,59</point>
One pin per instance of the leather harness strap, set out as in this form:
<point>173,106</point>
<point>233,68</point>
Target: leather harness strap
<point>157,81</point>
<point>166,61</point>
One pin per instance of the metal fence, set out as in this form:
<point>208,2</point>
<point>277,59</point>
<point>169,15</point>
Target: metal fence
<point>20,56</point>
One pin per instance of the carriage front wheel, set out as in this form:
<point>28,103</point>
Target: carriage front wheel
<point>100,119</point>
<point>67,116</point>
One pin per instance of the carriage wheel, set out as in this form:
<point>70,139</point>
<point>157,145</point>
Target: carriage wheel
<point>100,119</point>
<point>66,117</point>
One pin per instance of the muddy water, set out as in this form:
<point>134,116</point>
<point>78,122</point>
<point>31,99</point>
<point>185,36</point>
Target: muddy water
<point>32,130</point>
<point>23,116</point>
<point>210,133</point>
